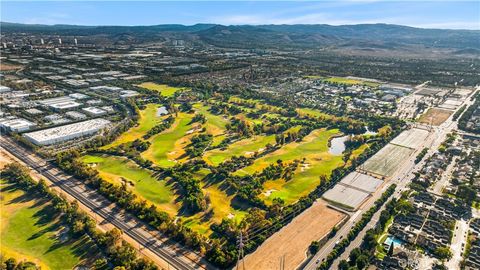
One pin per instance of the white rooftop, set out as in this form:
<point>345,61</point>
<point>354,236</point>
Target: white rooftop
<point>66,132</point>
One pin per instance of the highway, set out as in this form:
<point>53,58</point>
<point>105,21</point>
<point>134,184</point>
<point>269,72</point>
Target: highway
<point>146,237</point>
<point>402,178</point>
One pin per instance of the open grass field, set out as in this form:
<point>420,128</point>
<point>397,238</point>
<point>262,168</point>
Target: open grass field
<point>348,81</point>
<point>292,241</point>
<point>141,182</point>
<point>388,160</point>
<point>30,231</point>
<point>435,116</point>
<point>164,89</point>
<point>148,119</point>
<point>318,161</point>
<point>168,146</point>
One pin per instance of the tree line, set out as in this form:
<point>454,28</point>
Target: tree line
<point>118,253</point>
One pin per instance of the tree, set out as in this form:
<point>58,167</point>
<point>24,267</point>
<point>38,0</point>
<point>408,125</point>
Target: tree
<point>443,253</point>
<point>370,240</point>
<point>362,261</point>
<point>343,265</point>
<point>390,250</point>
<point>354,254</point>
<point>314,247</point>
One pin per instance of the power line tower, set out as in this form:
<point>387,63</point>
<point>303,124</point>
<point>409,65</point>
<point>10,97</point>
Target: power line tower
<point>240,251</point>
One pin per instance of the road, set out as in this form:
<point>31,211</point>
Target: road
<point>146,237</point>
<point>402,178</point>
<point>438,187</point>
<point>459,237</point>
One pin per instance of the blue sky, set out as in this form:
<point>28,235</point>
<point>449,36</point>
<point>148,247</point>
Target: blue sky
<point>427,14</point>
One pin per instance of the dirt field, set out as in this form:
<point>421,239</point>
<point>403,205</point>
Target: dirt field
<point>8,67</point>
<point>293,240</point>
<point>437,116</point>
<point>4,158</point>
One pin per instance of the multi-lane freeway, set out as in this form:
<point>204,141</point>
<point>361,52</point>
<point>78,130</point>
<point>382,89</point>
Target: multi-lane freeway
<point>147,238</point>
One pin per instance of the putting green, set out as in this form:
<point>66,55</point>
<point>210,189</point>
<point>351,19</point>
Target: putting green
<point>318,161</point>
<point>30,231</point>
<point>113,169</point>
<point>164,89</point>
<point>148,119</point>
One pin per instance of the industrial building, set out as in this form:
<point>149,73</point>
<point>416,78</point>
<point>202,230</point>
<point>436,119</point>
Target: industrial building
<point>67,132</point>
<point>61,103</point>
<point>16,124</point>
<point>94,111</point>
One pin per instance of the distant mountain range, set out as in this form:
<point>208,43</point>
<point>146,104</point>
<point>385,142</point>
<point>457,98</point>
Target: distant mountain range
<point>385,36</point>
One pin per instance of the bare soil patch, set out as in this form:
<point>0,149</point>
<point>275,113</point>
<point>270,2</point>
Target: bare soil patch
<point>435,115</point>
<point>293,240</point>
<point>9,67</point>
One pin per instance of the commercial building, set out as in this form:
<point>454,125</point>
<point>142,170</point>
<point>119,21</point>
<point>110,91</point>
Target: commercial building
<point>67,132</point>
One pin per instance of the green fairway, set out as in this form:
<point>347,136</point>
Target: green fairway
<point>164,89</point>
<point>30,231</point>
<point>215,124</point>
<point>168,147</point>
<point>220,207</point>
<point>113,169</point>
<point>314,148</point>
<point>148,119</point>
<point>239,148</point>
<point>312,112</point>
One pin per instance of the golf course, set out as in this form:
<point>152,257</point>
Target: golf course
<point>219,123</point>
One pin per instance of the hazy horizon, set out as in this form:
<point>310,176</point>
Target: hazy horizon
<point>420,14</point>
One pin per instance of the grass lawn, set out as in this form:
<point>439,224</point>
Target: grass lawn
<point>113,168</point>
<point>167,147</point>
<point>148,119</point>
<point>164,89</point>
<point>30,231</point>
<point>314,148</point>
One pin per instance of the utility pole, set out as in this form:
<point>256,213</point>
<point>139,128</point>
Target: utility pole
<point>240,251</point>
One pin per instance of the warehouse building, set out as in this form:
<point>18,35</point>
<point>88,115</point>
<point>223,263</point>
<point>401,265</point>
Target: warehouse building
<point>16,124</point>
<point>94,111</point>
<point>61,103</point>
<point>67,132</point>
